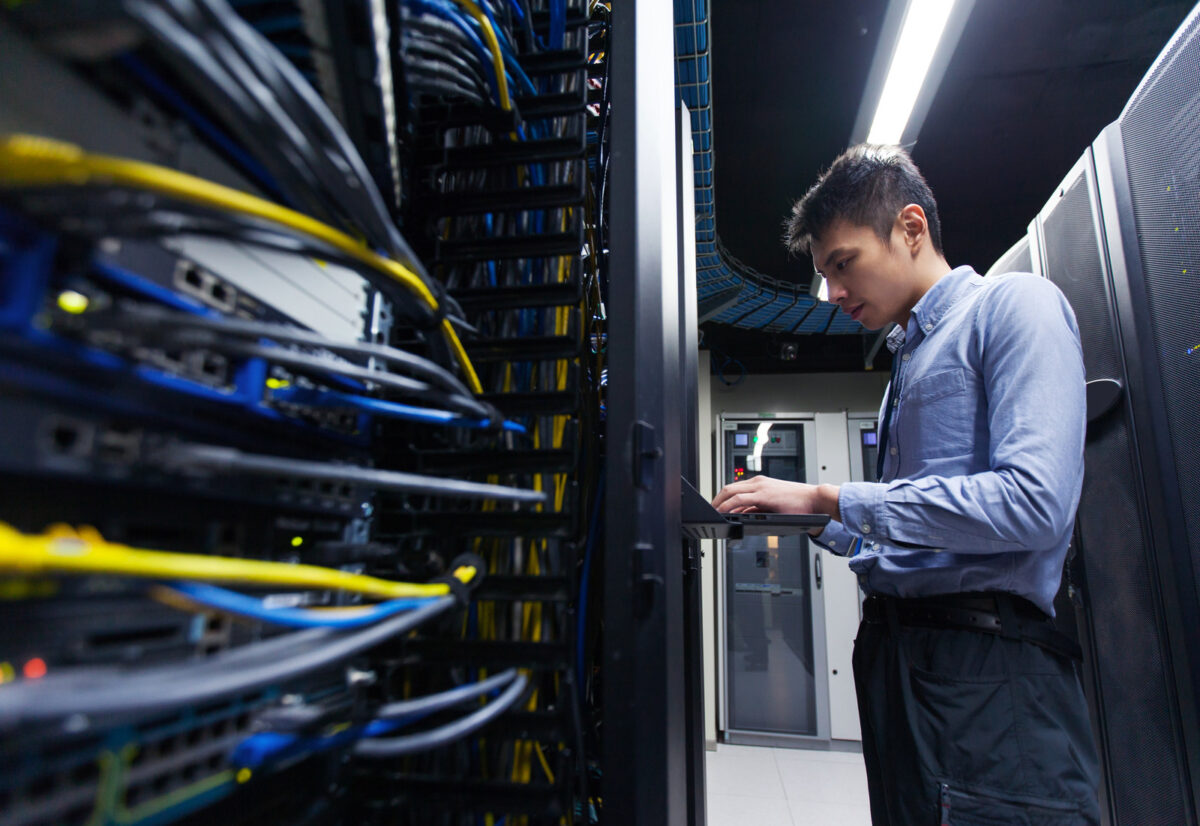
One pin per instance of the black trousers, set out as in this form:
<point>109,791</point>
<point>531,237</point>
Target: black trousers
<point>965,728</point>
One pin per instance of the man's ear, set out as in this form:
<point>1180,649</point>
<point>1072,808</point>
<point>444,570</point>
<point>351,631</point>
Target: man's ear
<point>914,227</point>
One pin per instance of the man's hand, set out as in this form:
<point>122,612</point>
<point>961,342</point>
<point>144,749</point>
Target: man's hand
<point>764,494</point>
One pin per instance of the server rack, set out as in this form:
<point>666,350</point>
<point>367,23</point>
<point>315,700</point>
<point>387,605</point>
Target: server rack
<point>1117,237</point>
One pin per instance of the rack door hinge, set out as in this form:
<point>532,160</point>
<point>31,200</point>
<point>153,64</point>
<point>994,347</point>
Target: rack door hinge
<point>645,452</point>
<point>645,584</point>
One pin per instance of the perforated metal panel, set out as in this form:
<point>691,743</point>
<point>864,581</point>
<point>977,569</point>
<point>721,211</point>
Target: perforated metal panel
<point>1016,259</point>
<point>1162,150</point>
<point>1074,263</point>
<point>1129,685</point>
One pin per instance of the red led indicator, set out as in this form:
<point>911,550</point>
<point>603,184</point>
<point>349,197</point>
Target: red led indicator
<point>35,669</point>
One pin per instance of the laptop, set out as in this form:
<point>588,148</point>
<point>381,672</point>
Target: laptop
<point>702,521</point>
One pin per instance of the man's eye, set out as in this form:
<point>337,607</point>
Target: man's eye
<point>841,265</point>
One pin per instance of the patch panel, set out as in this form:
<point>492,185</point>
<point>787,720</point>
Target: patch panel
<point>138,772</point>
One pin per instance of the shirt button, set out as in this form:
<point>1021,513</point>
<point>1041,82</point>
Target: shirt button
<point>893,451</point>
<point>832,544</point>
<point>906,357</point>
<point>928,327</point>
<point>866,528</point>
<point>895,402</point>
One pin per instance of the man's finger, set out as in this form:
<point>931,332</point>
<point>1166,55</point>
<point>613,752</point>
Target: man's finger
<point>727,505</point>
<point>726,493</point>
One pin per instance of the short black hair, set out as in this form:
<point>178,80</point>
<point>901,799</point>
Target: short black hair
<point>867,185</point>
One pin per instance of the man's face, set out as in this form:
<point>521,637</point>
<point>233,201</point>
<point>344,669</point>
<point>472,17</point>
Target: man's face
<point>873,282</point>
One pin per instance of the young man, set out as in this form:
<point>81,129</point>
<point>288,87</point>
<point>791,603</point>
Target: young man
<point>970,705</point>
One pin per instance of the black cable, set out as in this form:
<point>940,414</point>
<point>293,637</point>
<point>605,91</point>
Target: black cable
<point>438,51</point>
<point>421,55</point>
<point>337,163</point>
<point>444,34</point>
<point>150,318</point>
<point>131,213</point>
<point>429,75</point>
<point>320,366</point>
<point>438,87</point>
<point>529,33</point>
<point>87,692</point>
<point>446,699</point>
<point>384,747</point>
<point>191,57</point>
<point>341,150</point>
<point>227,459</point>
<point>276,88</point>
<point>444,42</point>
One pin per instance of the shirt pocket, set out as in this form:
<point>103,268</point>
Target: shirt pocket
<point>938,412</point>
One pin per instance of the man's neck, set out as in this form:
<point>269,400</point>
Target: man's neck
<point>929,273</point>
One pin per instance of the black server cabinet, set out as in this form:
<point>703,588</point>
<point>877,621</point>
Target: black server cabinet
<point>1115,571</point>
<point>689,351</point>
<point>645,691</point>
<point>1121,238</point>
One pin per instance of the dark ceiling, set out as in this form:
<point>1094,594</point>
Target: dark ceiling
<point>1030,85</point>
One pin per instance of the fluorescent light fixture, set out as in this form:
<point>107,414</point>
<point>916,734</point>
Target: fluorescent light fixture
<point>823,291</point>
<point>924,23</point>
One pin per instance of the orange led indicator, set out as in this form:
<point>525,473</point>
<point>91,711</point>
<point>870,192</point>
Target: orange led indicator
<point>35,669</point>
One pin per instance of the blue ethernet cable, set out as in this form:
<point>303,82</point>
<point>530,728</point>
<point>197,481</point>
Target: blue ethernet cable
<point>223,599</point>
<point>452,14</point>
<point>558,23</point>
<point>267,747</point>
<point>330,398</point>
<point>506,51</point>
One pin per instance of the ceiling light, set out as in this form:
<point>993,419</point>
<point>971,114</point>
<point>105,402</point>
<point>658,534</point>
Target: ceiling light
<point>916,41</point>
<point>919,38</point>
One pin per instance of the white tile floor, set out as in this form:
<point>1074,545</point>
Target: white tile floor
<point>786,787</point>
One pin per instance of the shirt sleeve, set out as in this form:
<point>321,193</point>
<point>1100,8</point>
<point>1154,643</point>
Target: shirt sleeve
<point>1032,369</point>
<point>837,539</point>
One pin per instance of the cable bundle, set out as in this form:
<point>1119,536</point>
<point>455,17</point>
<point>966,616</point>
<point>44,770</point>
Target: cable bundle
<point>510,208</point>
<point>362,660</point>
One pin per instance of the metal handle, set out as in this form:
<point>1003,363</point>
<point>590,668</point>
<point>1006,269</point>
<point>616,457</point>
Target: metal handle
<point>817,563</point>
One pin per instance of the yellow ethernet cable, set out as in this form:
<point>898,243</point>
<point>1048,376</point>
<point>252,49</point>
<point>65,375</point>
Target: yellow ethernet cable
<point>63,550</point>
<point>32,161</point>
<point>489,36</point>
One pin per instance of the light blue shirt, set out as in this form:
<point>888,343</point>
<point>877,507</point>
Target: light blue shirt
<point>984,461</point>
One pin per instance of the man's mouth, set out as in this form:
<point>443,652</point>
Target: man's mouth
<point>856,311</point>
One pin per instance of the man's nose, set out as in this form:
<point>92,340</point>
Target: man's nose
<point>837,293</point>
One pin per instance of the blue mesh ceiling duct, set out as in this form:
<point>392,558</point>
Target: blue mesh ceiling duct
<point>763,302</point>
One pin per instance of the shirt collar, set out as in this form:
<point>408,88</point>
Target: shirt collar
<point>938,300</point>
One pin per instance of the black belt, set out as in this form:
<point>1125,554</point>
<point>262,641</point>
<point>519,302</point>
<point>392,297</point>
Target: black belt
<point>991,613</point>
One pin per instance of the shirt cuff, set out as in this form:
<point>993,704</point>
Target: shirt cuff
<point>836,539</point>
<point>861,507</point>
